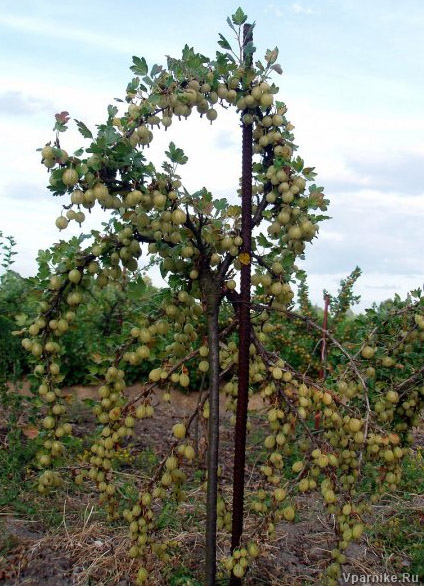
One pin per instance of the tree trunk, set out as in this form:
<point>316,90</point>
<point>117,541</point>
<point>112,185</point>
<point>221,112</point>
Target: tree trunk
<point>212,295</point>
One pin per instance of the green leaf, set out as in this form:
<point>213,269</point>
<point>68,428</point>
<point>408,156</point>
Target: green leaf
<point>262,241</point>
<point>136,289</point>
<point>279,162</point>
<point>220,204</point>
<point>230,24</point>
<point>176,155</point>
<point>21,319</point>
<point>297,164</point>
<point>156,70</point>
<point>112,111</point>
<point>271,56</point>
<point>308,172</point>
<point>321,217</point>
<point>222,60</point>
<point>83,129</point>
<point>132,87</point>
<point>140,66</point>
<point>239,17</point>
<point>109,135</point>
<point>224,43</point>
<point>249,48</point>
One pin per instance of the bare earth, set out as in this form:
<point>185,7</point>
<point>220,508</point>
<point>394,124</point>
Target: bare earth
<point>85,550</point>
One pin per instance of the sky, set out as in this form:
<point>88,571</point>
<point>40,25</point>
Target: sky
<point>353,81</point>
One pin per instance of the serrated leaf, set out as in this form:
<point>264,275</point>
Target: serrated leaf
<point>297,164</point>
<point>109,134</point>
<point>224,43</point>
<point>220,204</point>
<point>279,162</point>
<point>222,60</point>
<point>140,66</point>
<point>249,48</point>
<point>136,289</point>
<point>176,155</point>
<point>262,241</point>
<point>277,68</point>
<point>239,17</point>
<point>230,24</point>
<point>271,56</point>
<point>62,117</point>
<point>112,111</point>
<point>309,173</point>
<point>30,431</point>
<point>133,85</point>
<point>21,319</point>
<point>156,69</point>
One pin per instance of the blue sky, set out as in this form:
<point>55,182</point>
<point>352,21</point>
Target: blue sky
<point>353,82</point>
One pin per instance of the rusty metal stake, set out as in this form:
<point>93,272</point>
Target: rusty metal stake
<point>244,332</point>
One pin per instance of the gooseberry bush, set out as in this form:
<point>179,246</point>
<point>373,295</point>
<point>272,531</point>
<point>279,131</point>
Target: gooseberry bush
<point>325,433</point>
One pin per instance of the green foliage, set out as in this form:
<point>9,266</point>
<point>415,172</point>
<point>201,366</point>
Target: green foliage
<point>183,577</point>
<point>14,308</point>
<point>399,535</point>
<point>7,252</point>
<point>17,452</point>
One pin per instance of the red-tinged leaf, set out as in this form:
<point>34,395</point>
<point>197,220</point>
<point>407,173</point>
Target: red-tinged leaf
<point>63,117</point>
<point>30,431</point>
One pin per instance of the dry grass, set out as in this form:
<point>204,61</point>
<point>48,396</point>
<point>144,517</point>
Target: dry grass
<point>82,550</point>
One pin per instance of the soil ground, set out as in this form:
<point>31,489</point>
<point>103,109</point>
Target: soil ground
<point>81,549</point>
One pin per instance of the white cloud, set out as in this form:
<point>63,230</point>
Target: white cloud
<point>118,43</point>
<point>17,103</point>
<point>295,7</point>
<point>298,8</point>
<point>331,235</point>
<point>372,287</point>
<point>274,10</point>
<point>381,233</point>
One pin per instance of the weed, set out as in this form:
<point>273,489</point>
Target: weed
<point>400,534</point>
<point>168,516</point>
<point>183,577</point>
<point>7,543</point>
